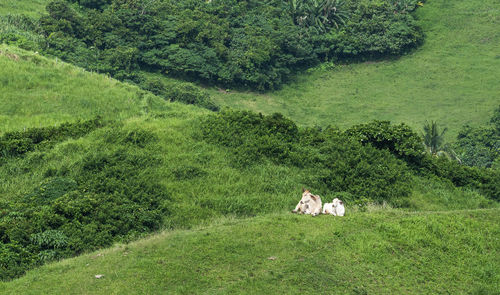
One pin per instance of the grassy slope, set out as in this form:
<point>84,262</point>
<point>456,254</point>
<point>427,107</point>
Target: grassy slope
<point>40,92</point>
<point>37,91</point>
<point>386,252</point>
<point>452,78</point>
<point>30,7</point>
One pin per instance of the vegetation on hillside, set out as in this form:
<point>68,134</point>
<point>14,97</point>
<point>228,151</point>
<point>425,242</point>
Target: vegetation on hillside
<point>451,78</point>
<point>254,43</point>
<point>480,146</point>
<point>102,182</point>
<point>74,186</point>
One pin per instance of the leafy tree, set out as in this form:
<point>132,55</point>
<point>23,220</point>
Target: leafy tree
<point>480,146</point>
<point>433,139</point>
<point>235,43</point>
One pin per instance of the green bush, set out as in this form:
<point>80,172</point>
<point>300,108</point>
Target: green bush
<point>372,160</point>
<point>184,92</point>
<point>252,43</point>
<point>375,29</point>
<point>334,161</point>
<point>100,200</point>
<point>480,146</point>
<point>17,143</point>
<point>399,139</point>
<point>14,260</point>
<point>484,180</point>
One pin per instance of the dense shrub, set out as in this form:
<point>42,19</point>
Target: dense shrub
<point>376,29</point>
<point>399,139</point>
<point>334,161</point>
<point>403,142</point>
<point>484,180</point>
<point>173,90</point>
<point>252,43</point>
<point>102,199</point>
<point>480,146</point>
<point>370,161</point>
<point>17,143</point>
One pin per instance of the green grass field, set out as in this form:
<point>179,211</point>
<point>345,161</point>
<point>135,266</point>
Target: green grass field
<point>384,252</point>
<point>452,78</point>
<point>225,240</point>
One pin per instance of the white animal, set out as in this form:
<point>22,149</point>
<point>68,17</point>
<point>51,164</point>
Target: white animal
<point>329,209</point>
<point>339,207</point>
<point>309,204</point>
<point>335,208</point>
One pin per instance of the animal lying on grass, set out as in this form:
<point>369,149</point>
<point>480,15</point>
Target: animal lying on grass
<point>311,204</point>
<point>335,208</point>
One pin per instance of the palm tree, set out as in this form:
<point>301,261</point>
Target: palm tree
<point>318,14</point>
<point>434,141</point>
<point>333,12</point>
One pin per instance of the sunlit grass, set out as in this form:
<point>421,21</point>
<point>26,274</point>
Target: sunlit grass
<point>36,91</point>
<point>27,7</point>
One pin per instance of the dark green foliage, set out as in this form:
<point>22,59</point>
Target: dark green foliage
<point>110,194</point>
<point>254,136</point>
<point>50,189</point>
<point>184,92</point>
<point>334,160</point>
<point>362,161</point>
<point>14,260</point>
<point>17,143</point>
<point>251,43</point>
<point>96,4</point>
<point>399,139</point>
<point>480,146</point>
<point>374,29</point>
<point>485,180</point>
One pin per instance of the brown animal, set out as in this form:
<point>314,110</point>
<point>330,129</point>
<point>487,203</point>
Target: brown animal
<point>309,204</point>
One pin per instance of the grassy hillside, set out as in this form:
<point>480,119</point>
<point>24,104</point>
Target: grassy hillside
<point>37,91</point>
<point>452,78</point>
<point>384,252</point>
<point>146,167</point>
<point>31,7</point>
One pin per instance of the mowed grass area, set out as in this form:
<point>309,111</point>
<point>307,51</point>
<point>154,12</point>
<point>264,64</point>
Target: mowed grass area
<point>385,252</point>
<point>452,78</point>
<point>31,8</point>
